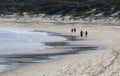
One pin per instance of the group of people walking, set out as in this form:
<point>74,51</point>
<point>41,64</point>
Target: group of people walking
<point>82,34</point>
<point>73,30</point>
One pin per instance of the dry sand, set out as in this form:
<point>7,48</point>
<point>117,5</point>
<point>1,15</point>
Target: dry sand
<point>104,62</point>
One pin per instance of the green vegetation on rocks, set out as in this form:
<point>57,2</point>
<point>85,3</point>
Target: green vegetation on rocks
<point>62,7</point>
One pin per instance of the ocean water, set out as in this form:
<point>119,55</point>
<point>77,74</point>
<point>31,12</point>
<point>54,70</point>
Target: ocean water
<point>12,42</point>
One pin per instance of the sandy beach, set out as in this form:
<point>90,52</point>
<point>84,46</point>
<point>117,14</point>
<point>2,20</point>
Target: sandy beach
<point>103,62</point>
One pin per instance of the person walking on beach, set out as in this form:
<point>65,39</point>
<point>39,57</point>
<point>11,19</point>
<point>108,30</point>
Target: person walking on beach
<point>74,29</point>
<point>81,34</point>
<point>86,33</point>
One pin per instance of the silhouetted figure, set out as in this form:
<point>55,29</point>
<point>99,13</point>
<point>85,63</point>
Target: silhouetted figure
<point>86,33</point>
<point>74,29</point>
<point>81,33</point>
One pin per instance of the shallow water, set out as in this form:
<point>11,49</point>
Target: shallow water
<point>20,42</point>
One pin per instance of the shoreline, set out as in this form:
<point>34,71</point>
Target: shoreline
<point>104,62</point>
<point>28,58</point>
